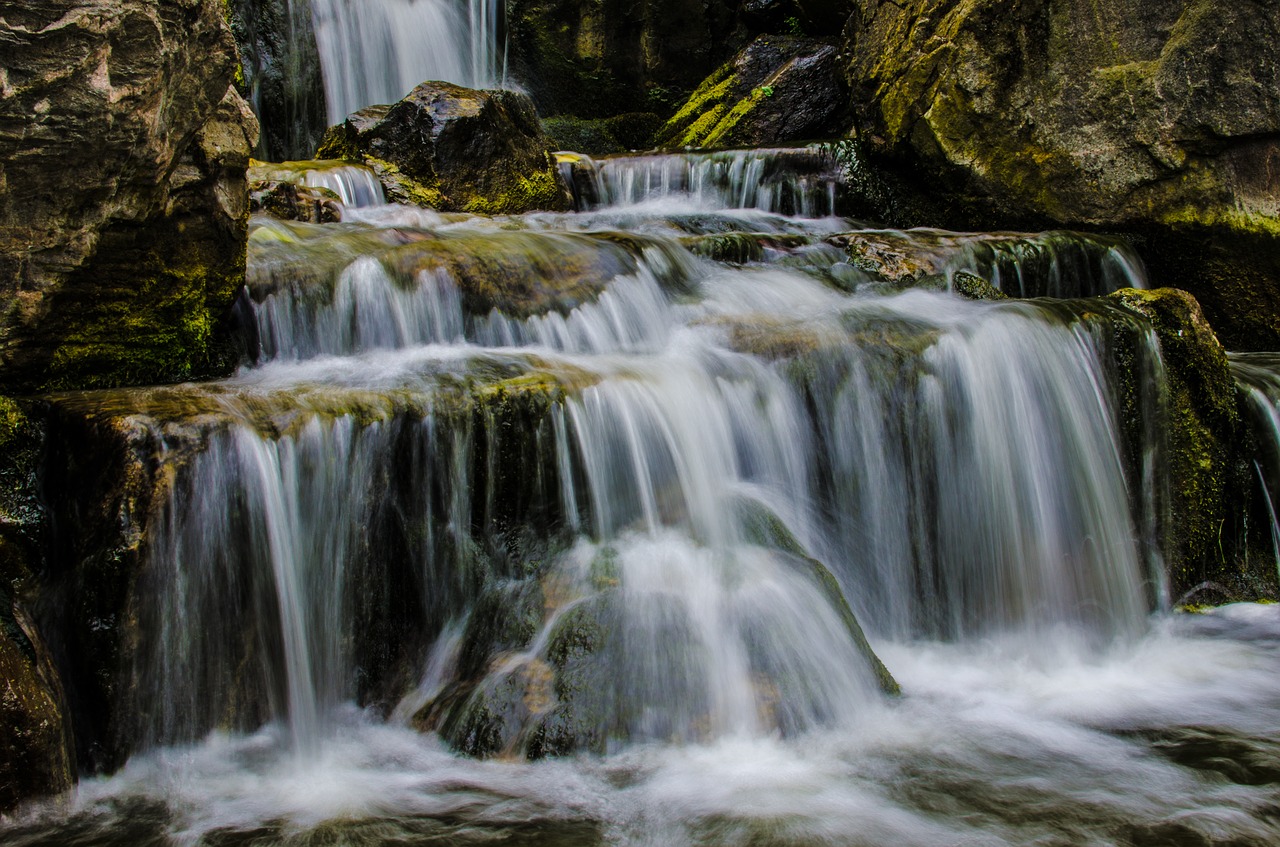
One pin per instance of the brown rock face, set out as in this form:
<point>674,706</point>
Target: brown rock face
<point>1160,118</point>
<point>123,211</point>
<point>455,149</point>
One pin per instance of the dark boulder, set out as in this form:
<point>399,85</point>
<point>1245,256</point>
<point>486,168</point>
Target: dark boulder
<point>779,89</point>
<point>124,213</point>
<point>455,149</point>
<point>288,201</point>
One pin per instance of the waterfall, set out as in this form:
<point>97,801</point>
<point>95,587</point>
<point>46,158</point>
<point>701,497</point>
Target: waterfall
<point>799,181</point>
<point>376,51</point>
<point>625,525</point>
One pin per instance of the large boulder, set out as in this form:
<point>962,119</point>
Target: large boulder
<point>778,89</point>
<point>1161,119</point>
<point>123,217</point>
<point>455,149</point>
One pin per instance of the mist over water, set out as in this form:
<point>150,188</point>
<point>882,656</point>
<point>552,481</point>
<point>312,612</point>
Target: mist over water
<point>613,511</point>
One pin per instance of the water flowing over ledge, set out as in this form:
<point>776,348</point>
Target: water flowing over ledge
<point>652,509</point>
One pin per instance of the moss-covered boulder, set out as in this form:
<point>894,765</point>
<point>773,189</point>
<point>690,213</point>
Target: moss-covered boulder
<point>1159,120</point>
<point>124,213</point>
<point>778,89</point>
<point>1201,426</point>
<point>455,149</point>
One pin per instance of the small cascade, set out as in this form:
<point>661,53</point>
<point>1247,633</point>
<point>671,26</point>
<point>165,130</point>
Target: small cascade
<point>376,51</point>
<point>356,185</point>
<point>801,181</point>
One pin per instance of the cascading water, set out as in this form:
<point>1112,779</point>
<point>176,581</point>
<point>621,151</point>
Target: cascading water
<point>621,488</point>
<point>310,63</point>
<point>376,51</point>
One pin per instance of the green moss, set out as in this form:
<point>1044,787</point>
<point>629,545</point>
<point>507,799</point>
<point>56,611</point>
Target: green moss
<point>695,118</point>
<point>541,190</point>
<point>157,329</point>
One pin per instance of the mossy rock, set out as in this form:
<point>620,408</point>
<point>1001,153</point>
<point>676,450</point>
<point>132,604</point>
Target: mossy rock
<point>779,89</point>
<point>1202,426</point>
<point>455,149</point>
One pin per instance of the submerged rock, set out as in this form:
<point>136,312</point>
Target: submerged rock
<point>123,219</point>
<point>455,149</point>
<point>288,201</point>
<point>1162,121</point>
<point>779,89</point>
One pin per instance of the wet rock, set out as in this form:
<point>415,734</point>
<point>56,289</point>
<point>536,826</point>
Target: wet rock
<point>281,75</point>
<point>1202,425</point>
<point>455,149</point>
<point>123,220</point>
<point>740,248</point>
<point>779,89</point>
<point>288,201</point>
<point>1047,264</point>
<point>35,750</point>
<point>1162,121</point>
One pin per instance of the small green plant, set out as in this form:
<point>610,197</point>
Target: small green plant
<point>792,25</point>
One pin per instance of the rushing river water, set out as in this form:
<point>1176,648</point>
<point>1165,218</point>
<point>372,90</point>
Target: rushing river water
<point>664,522</point>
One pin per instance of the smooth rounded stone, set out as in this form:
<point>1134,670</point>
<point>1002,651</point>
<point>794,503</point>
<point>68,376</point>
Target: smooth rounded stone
<point>778,89</point>
<point>123,220</point>
<point>1159,121</point>
<point>455,149</point>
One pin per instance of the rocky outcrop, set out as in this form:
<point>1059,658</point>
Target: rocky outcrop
<point>455,149</point>
<point>1163,121</point>
<point>123,216</point>
<point>595,60</point>
<point>779,89</point>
